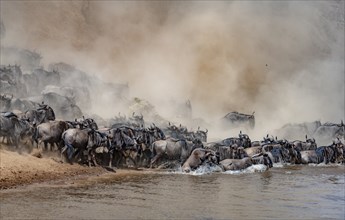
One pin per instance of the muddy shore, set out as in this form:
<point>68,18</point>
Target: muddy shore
<point>17,169</point>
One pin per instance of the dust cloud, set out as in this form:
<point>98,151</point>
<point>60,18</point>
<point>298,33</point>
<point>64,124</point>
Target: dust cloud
<point>283,60</point>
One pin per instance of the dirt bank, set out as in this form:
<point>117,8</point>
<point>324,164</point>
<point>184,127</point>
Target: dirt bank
<point>22,169</point>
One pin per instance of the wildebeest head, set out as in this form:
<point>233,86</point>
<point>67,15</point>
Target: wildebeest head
<point>212,157</point>
<point>295,156</point>
<point>117,141</point>
<point>158,134</point>
<point>197,143</point>
<point>202,135</point>
<point>245,140</point>
<point>262,158</point>
<point>50,115</point>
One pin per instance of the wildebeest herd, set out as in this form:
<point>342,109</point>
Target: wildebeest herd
<point>129,143</point>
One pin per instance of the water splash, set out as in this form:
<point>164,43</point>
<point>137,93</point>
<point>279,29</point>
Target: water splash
<point>207,169</point>
<point>252,169</point>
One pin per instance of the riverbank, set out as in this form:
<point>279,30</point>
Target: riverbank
<point>18,169</point>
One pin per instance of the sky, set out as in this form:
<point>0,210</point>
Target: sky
<point>282,59</point>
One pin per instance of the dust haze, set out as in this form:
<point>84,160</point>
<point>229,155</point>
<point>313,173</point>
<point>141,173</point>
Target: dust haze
<point>283,60</point>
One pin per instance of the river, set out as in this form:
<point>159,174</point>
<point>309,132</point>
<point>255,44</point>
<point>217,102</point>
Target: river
<point>285,192</point>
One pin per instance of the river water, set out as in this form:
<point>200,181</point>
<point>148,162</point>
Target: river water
<point>285,192</point>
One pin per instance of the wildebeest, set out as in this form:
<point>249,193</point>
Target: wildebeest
<point>173,149</point>
<point>5,102</point>
<point>278,152</point>
<point>262,158</point>
<point>339,148</point>
<point>236,164</point>
<point>11,80</point>
<point>224,152</point>
<point>198,157</point>
<point>253,150</point>
<point>51,132</point>
<point>7,121</point>
<point>319,155</point>
<point>43,114</point>
<point>78,141</point>
<point>329,131</point>
<point>240,164</point>
<point>296,131</point>
<point>145,138</point>
<point>65,107</point>
<point>236,119</point>
<point>124,145</point>
<point>202,135</point>
<point>309,144</point>
<point>14,129</point>
<point>137,120</point>
<point>242,141</point>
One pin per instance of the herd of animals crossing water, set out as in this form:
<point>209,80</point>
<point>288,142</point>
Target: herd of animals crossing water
<point>130,143</point>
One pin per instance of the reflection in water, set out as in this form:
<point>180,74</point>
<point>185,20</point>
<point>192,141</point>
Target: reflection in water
<point>292,192</point>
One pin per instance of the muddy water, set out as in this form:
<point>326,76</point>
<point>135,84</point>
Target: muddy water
<point>291,192</point>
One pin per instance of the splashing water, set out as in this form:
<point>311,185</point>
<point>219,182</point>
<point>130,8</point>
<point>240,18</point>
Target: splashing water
<point>207,169</point>
<point>251,169</point>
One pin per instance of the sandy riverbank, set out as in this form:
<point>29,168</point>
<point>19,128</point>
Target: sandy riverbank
<point>23,168</point>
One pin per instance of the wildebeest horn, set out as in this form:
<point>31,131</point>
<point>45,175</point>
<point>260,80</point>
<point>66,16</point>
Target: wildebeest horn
<point>206,130</point>
<point>133,114</point>
<point>169,123</point>
<point>306,137</point>
<point>198,128</point>
<point>253,113</point>
<point>154,124</point>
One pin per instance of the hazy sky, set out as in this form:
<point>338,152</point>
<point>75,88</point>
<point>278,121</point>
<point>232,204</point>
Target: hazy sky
<point>284,60</point>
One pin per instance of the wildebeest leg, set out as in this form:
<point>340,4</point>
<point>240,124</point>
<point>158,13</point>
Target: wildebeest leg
<point>132,156</point>
<point>154,159</point>
<point>111,158</point>
<point>70,153</point>
<point>326,155</point>
<point>60,145</point>
<point>39,144</point>
<point>63,149</point>
<point>91,156</point>
<point>94,158</point>
<point>45,146</point>
<point>16,142</point>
